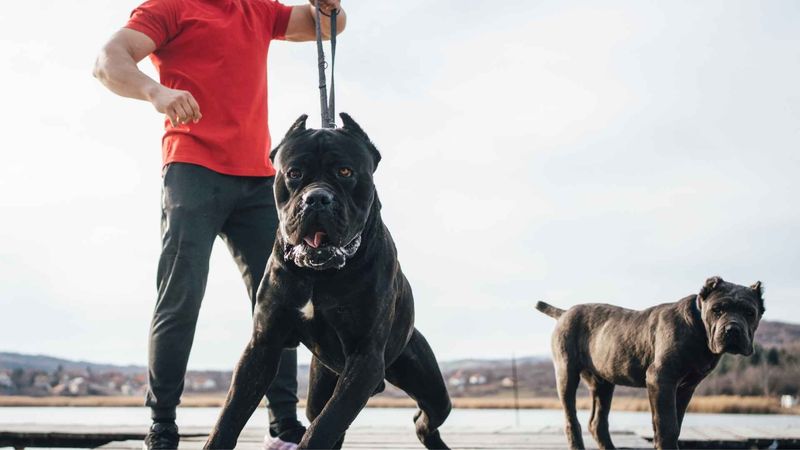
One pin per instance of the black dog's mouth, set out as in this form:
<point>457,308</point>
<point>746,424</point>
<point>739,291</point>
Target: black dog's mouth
<point>318,251</point>
<point>317,239</point>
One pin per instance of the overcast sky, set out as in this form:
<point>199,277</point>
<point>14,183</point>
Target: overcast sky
<point>566,151</point>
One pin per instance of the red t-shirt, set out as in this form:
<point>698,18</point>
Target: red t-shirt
<point>217,50</point>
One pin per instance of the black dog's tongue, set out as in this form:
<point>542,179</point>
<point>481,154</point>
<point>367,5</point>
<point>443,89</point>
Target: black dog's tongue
<point>315,240</point>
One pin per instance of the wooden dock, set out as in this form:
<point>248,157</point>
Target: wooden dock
<point>401,438</point>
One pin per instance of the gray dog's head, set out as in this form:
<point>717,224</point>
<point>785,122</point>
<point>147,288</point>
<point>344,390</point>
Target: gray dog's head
<point>731,314</point>
<point>324,192</point>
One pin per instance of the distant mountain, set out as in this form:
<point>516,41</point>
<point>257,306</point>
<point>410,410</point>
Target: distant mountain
<point>50,364</point>
<point>469,364</point>
<point>777,334</point>
<point>770,334</point>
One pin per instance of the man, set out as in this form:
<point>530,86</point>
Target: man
<point>217,178</point>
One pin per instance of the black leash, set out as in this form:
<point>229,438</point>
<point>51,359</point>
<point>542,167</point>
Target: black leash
<point>328,107</point>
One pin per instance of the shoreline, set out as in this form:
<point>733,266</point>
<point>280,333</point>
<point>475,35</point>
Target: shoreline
<point>709,404</point>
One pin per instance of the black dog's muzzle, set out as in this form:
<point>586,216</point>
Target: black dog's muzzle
<point>323,258</point>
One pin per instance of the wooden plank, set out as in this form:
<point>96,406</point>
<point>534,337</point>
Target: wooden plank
<point>401,437</point>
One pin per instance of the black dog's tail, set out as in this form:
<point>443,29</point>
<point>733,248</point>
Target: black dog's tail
<point>550,310</point>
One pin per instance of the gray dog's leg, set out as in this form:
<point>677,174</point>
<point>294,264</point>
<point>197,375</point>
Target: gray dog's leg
<point>417,373</point>
<point>321,383</point>
<point>602,392</point>
<point>663,406</point>
<point>567,379</point>
<point>683,397</point>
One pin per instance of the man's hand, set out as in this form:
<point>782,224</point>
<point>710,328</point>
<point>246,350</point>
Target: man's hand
<point>326,6</point>
<point>303,21</point>
<point>179,106</point>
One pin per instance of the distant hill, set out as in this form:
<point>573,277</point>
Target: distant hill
<point>777,334</point>
<point>45,363</point>
<point>770,334</point>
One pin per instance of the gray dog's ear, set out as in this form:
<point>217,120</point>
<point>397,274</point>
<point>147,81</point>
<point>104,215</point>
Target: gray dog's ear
<point>759,290</point>
<point>350,125</point>
<point>298,126</point>
<point>709,287</point>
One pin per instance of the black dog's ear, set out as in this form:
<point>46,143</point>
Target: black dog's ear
<point>298,126</point>
<point>710,285</point>
<point>759,290</point>
<point>350,125</point>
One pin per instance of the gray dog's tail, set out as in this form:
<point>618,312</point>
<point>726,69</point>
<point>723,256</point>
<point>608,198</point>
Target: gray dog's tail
<point>550,310</point>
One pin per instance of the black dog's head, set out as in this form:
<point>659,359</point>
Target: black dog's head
<point>731,314</point>
<point>324,192</point>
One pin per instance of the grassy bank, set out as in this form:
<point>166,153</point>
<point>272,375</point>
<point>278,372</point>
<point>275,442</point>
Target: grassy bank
<point>711,404</point>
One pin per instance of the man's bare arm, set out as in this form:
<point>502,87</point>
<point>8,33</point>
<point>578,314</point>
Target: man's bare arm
<point>116,69</point>
<point>303,21</point>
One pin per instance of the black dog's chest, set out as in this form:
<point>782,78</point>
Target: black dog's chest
<point>327,331</point>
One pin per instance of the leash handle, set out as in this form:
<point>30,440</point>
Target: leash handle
<point>327,107</point>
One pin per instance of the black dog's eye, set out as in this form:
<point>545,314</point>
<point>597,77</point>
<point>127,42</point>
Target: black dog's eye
<point>294,174</point>
<point>750,313</point>
<point>716,310</point>
<point>345,172</point>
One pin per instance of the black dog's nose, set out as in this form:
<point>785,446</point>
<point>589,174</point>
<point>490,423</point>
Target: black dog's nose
<point>318,198</point>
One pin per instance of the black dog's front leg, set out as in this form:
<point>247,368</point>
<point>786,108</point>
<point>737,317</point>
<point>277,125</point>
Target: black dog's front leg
<point>363,371</point>
<point>252,376</point>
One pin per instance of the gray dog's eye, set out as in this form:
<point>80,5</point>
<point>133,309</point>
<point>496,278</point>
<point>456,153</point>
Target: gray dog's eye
<point>294,174</point>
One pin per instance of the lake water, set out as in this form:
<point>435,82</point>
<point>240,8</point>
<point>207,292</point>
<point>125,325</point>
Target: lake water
<point>382,417</point>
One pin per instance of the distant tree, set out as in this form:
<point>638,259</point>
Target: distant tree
<point>18,377</point>
<point>755,360</point>
<point>773,357</point>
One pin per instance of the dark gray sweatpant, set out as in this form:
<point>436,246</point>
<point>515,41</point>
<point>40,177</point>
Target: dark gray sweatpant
<point>198,205</point>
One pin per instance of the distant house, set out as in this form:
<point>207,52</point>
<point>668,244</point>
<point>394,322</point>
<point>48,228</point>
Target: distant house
<point>41,381</point>
<point>457,380</point>
<point>788,401</point>
<point>507,382</point>
<point>202,383</point>
<point>78,386</point>
<point>477,379</point>
<point>6,381</point>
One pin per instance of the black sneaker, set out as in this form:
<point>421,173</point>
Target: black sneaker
<point>162,436</point>
<point>284,435</point>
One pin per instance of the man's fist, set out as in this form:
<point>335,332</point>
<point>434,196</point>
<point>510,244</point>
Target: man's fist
<point>179,106</point>
<point>326,6</point>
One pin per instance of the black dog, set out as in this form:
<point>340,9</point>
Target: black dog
<point>668,349</point>
<point>334,284</point>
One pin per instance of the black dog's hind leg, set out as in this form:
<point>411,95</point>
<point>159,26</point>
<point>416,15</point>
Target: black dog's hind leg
<point>602,392</point>
<point>321,383</point>
<point>417,373</point>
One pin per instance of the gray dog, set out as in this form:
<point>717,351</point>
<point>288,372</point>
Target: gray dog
<point>668,349</point>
